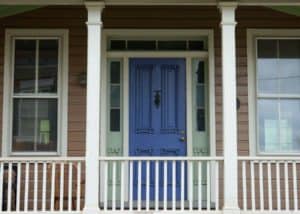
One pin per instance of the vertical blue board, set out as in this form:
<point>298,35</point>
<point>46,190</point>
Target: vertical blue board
<point>157,119</point>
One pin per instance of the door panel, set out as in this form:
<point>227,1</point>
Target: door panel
<point>157,118</point>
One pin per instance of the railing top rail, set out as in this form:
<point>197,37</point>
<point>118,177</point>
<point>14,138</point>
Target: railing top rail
<point>151,158</point>
<point>269,158</point>
<point>41,159</point>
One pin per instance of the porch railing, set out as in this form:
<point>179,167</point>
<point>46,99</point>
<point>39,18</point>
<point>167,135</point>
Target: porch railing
<point>41,184</point>
<point>269,183</point>
<point>161,183</point>
<point>34,185</point>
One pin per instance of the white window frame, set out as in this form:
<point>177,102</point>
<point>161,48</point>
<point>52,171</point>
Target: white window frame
<point>252,36</point>
<point>62,88</point>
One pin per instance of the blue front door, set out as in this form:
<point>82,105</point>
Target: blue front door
<point>157,118</point>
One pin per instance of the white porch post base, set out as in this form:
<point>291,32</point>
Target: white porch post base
<point>92,175</point>
<point>91,210</point>
<point>233,210</point>
<point>229,107</point>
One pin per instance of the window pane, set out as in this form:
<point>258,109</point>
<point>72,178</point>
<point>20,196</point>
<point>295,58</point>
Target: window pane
<point>289,66</point>
<point>267,48</point>
<point>200,96</point>
<point>141,45</point>
<point>267,66</point>
<point>279,122</point>
<point>48,66</point>
<point>115,68</point>
<point>289,76</point>
<point>24,125</point>
<point>201,120</point>
<point>289,48</point>
<point>118,45</point>
<point>200,72</point>
<point>268,125</point>
<point>172,45</point>
<point>196,45</point>
<point>289,125</point>
<point>115,120</point>
<point>25,64</point>
<point>115,96</point>
<point>267,74</point>
<point>35,125</point>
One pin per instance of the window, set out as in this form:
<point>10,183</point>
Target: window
<point>200,96</point>
<point>200,103</point>
<point>114,146</point>
<point>38,84</point>
<point>278,95</point>
<point>158,45</point>
<point>115,95</point>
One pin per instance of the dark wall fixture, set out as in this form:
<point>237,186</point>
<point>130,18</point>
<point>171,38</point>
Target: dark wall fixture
<point>238,103</point>
<point>82,79</point>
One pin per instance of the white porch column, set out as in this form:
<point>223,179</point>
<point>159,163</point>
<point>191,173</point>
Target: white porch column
<point>229,107</point>
<point>94,25</point>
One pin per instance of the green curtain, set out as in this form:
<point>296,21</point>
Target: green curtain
<point>13,10</point>
<point>292,10</point>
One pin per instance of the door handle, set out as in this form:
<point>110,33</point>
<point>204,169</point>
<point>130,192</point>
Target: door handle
<point>182,139</point>
<point>157,98</point>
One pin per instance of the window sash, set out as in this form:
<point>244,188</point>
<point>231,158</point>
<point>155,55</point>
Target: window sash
<point>37,41</point>
<point>281,117</point>
<point>158,44</point>
<point>271,96</point>
<point>115,111</point>
<point>279,96</point>
<point>42,121</point>
<point>36,95</point>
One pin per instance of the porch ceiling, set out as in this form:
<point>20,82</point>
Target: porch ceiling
<point>9,10</point>
<point>154,2</point>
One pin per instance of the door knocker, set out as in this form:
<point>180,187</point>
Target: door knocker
<point>157,98</point>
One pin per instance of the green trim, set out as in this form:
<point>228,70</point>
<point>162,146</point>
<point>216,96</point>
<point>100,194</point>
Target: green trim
<point>114,143</point>
<point>13,10</point>
<point>200,138</point>
<point>292,10</point>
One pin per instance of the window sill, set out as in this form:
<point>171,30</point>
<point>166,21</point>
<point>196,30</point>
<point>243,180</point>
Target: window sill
<point>34,154</point>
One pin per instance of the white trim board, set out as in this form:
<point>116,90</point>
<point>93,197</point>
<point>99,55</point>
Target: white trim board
<point>158,54</point>
<point>62,88</point>
<point>252,35</point>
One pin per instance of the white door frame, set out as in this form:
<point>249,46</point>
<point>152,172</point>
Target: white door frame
<point>187,55</point>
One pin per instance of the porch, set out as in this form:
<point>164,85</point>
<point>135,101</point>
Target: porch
<point>99,160</point>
